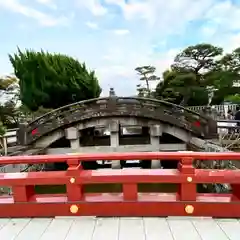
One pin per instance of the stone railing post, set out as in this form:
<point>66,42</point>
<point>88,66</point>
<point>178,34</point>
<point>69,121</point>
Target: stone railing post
<point>72,134</point>
<point>155,134</point>
<point>22,134</point>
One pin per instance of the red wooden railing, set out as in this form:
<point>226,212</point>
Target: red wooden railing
<point>24,202</point>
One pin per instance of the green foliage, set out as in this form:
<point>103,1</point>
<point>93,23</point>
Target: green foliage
<point>196,70</point>
<point>147,74</point>
<point>181,88</point>
<point>9,94</point>
<point>2,129</point>
<point>197,58</point>
<point>52,80</point>
<point>142,91</point>
<point>235,99</point>
<point>8,85</point>
<point>27,115</point>
<point>224,76</point>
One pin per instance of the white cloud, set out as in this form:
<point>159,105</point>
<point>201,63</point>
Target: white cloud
<point>222,24</point>
<point>48,3</point>
<point>94,6</point>
<point>121,31</point>
<point>117,67</point>
<point>92,25</point>
<point>151,24</point>
<point>208,31</point>
<point>225,15</point>
<point>234,41</point>
<point>43,18</point>
<point>173,17</point>
<point>167,16</point>
<point>45,1</point>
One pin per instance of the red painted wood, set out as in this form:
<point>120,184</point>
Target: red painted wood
<point>23,193</point>
<point>129,202</point>
<point>118,197</point>
<point>130,192</point>
<point>36,178</point>
<point>121,208</point>
<point>161,200</point>
<point>74,192</point>
<point>188,190</point>
<point>120,176</point>
<point>74,167</point>
<point>185,166</point>
<point>235,192</point>
<point>116,156</point>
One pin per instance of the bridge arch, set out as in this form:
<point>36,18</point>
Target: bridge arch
<point>174,118</point>
<point>163,128</point>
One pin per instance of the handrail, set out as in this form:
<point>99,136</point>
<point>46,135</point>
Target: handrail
<point>66,106</point>
<point>130,201</point>
<point>124,98</point>
<point>220,120</point>
<point>86,157</point>
<point>228,120</point>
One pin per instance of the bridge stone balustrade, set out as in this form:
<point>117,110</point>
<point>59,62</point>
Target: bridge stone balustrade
<point>110,107</point>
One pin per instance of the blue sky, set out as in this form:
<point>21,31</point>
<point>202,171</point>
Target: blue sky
<point>115,36</point>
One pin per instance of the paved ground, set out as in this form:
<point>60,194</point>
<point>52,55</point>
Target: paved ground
<point>90,228</point>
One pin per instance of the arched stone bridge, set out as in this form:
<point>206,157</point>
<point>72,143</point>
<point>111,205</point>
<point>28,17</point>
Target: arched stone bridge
<point>172,119</point>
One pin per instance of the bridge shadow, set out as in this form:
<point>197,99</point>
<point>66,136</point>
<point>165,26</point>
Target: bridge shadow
<point>115,188</point>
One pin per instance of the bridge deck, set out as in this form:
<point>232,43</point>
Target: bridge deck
<point>84,228</point>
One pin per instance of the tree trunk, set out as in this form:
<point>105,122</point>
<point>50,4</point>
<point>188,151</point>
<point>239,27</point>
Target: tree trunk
<point>149,93</point>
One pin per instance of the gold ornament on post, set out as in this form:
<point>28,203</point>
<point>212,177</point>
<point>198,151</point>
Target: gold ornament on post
<point>74,209</point>
<point>189,179</point>
<point>189,209</point>
<point>72,180</point>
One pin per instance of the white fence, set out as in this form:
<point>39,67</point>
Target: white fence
<point>10,136</point>
<point>8,139</point>
<point>220,109</point>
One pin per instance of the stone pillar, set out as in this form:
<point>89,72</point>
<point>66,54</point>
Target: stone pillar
<point>73,135</point>
<point>114,141</point>
<point>155,133</point>
<point>22,134</point>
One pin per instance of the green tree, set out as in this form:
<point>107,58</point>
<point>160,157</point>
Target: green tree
<point>142,91</point>
<point>8,85</point>
<point>197,59</point>
<point>52,80</point>
<point>181,88</point>
<point>224,77</point>
<point>165,90</point>
<point>186,81</point>
<point>147,74</point>
<point>235,99</point>
<point>9,95</point>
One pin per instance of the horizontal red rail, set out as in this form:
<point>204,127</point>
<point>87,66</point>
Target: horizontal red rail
<point>130,201</point>
<point>120,176</point>
<point>119,156</point>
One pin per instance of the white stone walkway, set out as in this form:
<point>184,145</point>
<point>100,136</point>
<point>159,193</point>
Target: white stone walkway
<point>90,228</point>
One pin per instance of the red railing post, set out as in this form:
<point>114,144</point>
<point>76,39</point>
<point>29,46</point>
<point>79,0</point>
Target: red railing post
<point>23,193</point>
<point>74,191</point>
<point>187,201</point>
<point>235,192</point>
<point>188,190</point>
<point>130,192</point>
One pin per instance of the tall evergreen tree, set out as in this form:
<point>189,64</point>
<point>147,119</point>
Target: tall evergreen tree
<point>52,80</point>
